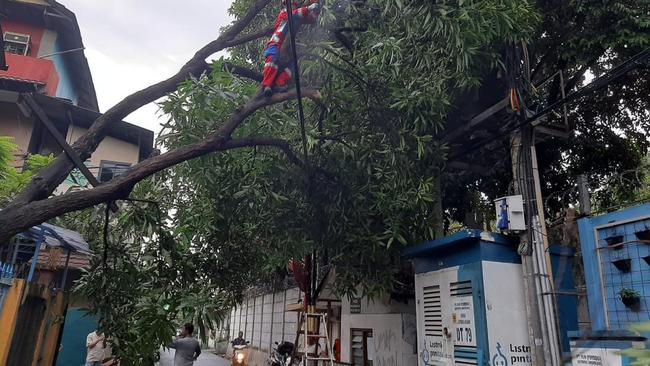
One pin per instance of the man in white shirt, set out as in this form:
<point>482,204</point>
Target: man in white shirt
<point>95,346</point>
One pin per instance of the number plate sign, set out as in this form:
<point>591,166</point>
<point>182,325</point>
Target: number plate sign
<point>463,321</point>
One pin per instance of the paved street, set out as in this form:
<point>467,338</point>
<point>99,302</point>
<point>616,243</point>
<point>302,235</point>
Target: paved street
<point>206,359</point>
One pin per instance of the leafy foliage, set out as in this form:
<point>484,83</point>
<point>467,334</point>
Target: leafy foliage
<point>12,180</point>
<point>143,282</point>
<point>375,162</point>
<point>584,38</point>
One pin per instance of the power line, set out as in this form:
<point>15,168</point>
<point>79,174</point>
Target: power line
<point>598,83</point>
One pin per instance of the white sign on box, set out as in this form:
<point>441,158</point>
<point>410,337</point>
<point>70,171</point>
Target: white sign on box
<point>596,357</point>
<point>463,320</point>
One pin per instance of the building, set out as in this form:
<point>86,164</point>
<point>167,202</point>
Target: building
<point>44,52</point>
<point>47,101</point>
<point>46,64</point>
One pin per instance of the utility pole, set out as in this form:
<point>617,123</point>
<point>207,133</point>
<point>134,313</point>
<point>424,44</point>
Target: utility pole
<point>583,193</point>
<point>538,282</point>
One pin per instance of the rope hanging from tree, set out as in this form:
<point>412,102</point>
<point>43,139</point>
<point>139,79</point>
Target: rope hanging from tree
<point>311,262</point>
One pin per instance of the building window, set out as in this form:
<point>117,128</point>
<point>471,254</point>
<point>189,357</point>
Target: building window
<point>16,43</point>
<point>111,169</point>
<point>362,347</point>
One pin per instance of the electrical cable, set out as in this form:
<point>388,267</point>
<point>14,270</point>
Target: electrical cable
<point>595,85</point>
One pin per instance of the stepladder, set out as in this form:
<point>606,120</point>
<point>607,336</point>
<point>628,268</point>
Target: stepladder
<point>316,347</point>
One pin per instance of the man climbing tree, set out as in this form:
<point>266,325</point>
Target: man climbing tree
<point>276,52</point>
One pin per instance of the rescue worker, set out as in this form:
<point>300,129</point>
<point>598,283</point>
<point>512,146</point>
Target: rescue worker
<point>273,80</point>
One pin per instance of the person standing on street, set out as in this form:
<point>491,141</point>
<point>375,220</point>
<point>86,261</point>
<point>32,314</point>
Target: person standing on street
<point>95,348</point>
<point>187,347</point>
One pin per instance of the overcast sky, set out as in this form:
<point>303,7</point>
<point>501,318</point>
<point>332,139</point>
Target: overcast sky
<point>131,44</point>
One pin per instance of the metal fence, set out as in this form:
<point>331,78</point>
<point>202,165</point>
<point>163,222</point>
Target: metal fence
<point>6,280</point>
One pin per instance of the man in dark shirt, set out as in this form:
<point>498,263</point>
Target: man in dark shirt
<point>239,341</point>
<point>187,347</point>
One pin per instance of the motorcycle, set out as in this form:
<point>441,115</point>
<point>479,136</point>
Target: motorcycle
<point>240,355</point>
<point>281,354</point>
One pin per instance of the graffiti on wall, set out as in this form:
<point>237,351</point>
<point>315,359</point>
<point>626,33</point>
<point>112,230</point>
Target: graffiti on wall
<point>386,347</point>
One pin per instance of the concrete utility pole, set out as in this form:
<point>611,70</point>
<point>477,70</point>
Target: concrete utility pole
<point>583,192</point>
<point>538,282</point>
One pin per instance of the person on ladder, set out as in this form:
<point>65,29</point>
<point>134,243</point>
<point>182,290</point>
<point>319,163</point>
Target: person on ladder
<point>274,81</point>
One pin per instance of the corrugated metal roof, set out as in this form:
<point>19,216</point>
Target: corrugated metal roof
<point>58,237</point>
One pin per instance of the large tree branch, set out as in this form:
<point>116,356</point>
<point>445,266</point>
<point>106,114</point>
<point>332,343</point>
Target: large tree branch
<point>18,218</point>
<point>51,177</point>
<point>243,72</point>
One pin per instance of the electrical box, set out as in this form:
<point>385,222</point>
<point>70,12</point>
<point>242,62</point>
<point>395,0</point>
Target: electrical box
<point>470,301</point>
<point>510,213</point>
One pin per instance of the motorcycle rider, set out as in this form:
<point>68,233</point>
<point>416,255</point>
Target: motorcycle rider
<point>239,341</point>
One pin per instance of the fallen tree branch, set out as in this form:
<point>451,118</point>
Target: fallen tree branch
<point>243,72</point>
<point>52,176</point>
<point>18,218</point>
<point>264,141</point>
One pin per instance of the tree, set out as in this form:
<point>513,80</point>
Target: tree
<point>12,181</point>
<point>611,125</point>
<point>454,66</point>
<point>33,206</point>
<point>374,164</point>
<point>147,278</point>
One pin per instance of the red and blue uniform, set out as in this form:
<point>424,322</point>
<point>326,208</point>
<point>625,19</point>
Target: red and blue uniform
<point>302,15</point>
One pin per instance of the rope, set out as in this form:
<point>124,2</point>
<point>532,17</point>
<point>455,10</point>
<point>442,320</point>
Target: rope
<point>301,116</point>
<point>301,111</point>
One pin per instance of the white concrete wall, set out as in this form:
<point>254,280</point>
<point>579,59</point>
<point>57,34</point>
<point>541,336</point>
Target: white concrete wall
<point>277,333</point>
<point>250,318</point>
<point>110,149</point>
<point>13,124</point>
<point>264,320</point>
<point>393,327</point>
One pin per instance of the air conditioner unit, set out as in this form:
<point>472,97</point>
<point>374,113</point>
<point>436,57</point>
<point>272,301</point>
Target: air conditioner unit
<point>16,43</point>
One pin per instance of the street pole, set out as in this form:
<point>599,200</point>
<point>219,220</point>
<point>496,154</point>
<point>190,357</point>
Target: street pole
<point>583,193</point>
<point>532,315</point>
<point>541,251</point>
<point>538,282</point>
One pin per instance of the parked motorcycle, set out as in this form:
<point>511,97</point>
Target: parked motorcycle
<point>240,355</point>
<point>281,354</point>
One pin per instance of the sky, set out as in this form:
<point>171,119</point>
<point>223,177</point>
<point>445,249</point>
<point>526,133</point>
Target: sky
<point>131,44</point>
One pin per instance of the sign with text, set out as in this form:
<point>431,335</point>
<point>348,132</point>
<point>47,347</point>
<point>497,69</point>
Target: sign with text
<point>596,357</point>
<point>355,305</point>
<point>462,316</point>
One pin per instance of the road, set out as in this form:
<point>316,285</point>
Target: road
<point>206,358</point>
